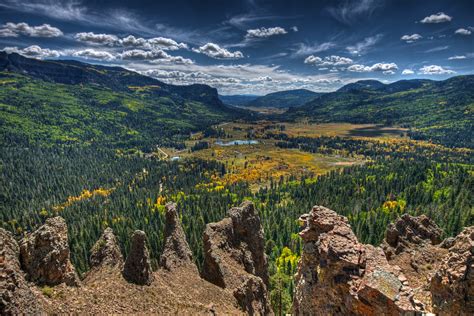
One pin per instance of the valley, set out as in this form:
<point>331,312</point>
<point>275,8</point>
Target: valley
<point>110,148</point>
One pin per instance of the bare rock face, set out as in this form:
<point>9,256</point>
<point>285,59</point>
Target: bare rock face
<point>106,251</point>
<point>409,232</point>
<point>137,268</point>
<point>16,298</point>
<point>234,258</point>
<point>45,256</point>
<point>452,286</point>
<point>413,244</point>
<point>337,275</point>
<point>176,253</point>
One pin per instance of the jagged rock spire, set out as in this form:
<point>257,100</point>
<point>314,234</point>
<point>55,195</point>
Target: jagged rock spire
<point>137,268</point>
<point>234,258</point>
<point>176,253</point>
<point>16,298</point>
<point>45,255</point>
<point>106,251</point>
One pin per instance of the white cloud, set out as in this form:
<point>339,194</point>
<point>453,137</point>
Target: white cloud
<point>156,56</point>
<point>166,43</point>
<point>457,57</point>
<point>407,72</point>
<point>130,41</point>
<point>435,70</point>
<point>349,11</point>
<point>437,18</point>
<point>294,28</point>
<point>328,61</point>
<point>305,49</point>
<point>93,38</point>
<point>215,51</point>
<point>17,29</point>
<point>385,68</point>
<point>264,32</point>
<point>462,31</point>
<point>363,46</point>
<point>411,38</point>
<point>34,51</point>
<point>93,54</point>
<point>460,57</point>
<point>437,49</point>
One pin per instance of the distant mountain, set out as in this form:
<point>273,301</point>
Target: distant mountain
<point>442,111</point>
<point>284,99</point>
<point>63,101</point>
<point>238,99</point>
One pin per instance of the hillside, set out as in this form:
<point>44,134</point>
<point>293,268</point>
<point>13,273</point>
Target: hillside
<point>284,99</point>
<point>72,102</point>
<point>438,110</point>
<point>238,99</point>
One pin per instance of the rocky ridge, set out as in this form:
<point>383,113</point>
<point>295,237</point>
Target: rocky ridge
<point>234,258</point>
<point>411,273</point>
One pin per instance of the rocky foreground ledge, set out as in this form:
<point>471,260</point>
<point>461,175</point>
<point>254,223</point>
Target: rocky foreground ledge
<point>413,272</point>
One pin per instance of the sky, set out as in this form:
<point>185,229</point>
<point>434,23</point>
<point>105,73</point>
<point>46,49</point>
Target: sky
<point>250,47</point>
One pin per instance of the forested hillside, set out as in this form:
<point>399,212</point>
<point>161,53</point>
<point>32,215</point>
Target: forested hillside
<point>441,111</point>
<point>47,102</point>
<point>284,99</point>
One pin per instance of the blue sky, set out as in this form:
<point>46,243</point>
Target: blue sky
<point>251,47</point>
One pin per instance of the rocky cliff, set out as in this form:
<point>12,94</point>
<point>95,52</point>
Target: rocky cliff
<point>234,258</point>
<point>131,286</point>
<point>411,273</point>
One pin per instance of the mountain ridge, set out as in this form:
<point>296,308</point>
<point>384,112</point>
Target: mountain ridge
<point>441,111</point>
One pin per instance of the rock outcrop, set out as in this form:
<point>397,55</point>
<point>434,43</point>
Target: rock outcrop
<point>234,258</point>
<point>137,268</point>
<point>106,252</point>
<point>45,256</point>
<point>412,243</point>
<point>337,275</point>
<point>176,252</point>
<point>452,286</point>
<point>16,298</point>
<point>410,232</point>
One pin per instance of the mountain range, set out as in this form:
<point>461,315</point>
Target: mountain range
<point>279,100</point>
<point>441,111</point>
<point>63,101</point>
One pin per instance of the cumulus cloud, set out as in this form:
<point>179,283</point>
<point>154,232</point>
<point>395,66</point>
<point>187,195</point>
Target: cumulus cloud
<point>332,60</point>
<point>440,17</point>
<point>435,70</point>
<point>294,28</point>
<point>17,29</point>
<point>93,38</point>
<point>93,54</point>
<point>462,31</point>
<point>411,38</point>
<point>363,46</point>
<point>156,56</point>
<point>264,32</point>
<point>385,68</point>
<point>34,51</point>
<point>407,72</point>
<point>215,51</point>
<point>130,41</point>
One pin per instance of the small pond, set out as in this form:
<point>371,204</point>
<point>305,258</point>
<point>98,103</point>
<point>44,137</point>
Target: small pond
<point>236,142</point>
